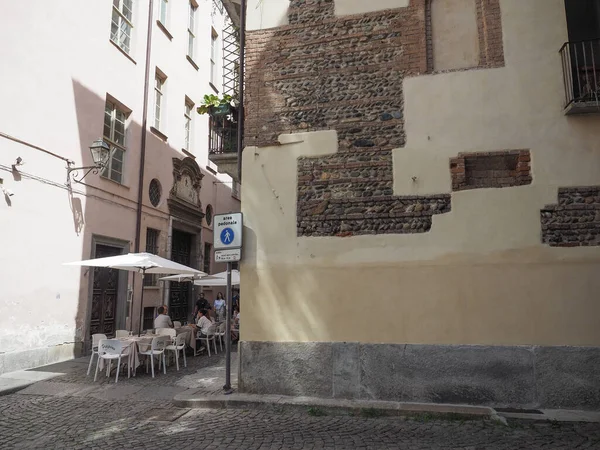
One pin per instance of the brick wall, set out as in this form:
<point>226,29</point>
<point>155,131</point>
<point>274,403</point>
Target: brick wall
<point>575,220</point>
<point>490,170</point>
<point>344,73</point>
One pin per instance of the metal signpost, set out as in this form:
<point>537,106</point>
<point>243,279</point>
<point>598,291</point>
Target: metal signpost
<point>228,248</point>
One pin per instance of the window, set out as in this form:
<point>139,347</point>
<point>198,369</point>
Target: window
<point>207,255</point>
<point>152,236</point>
<point>213,56</point>
<point>191,29</point>
<point>148,323</point>
<point>159,85</point>
<point>187,115</point>
<point>209,215</point>
<point>122,23</point>
<point>155,192</point>
<point>114,134</point>
<point>162,15</point>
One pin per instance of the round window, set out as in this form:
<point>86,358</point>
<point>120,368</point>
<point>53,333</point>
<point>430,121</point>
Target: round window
<point>155,192</point>
<point>209,215</point>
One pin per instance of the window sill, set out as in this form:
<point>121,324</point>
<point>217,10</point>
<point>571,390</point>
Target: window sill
<point>213,87</point>
<point>187,153</point>
<point>113,182</point>
<point>191,61</point>
<point>158,133</point>
<point>164,29</point>
<point>122,51</point>
<point>211,170</point>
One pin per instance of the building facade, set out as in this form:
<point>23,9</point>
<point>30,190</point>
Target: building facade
<point>422,201</point>
<point>77,74</point>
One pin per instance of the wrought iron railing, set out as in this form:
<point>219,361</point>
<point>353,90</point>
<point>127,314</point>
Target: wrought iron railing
<point>581,73</point>
<point>222,129</point>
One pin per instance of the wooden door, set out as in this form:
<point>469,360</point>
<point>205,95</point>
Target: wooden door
<point>179,293</point>
<point>104,294</point>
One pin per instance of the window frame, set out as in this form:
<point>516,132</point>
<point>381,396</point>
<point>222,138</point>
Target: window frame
<point>192,29</point>
<point>214,42</point>
<point>160,80</point>
<point>115,145</point>
<point>207,262</point>
<point>122,18</point>
<point>151,280</point>
<point>163,9</point>
<point>188,123</point>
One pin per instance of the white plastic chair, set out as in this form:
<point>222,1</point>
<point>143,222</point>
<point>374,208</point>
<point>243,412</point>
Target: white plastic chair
<point>210,337</point>
<point>177,346</point>
<point>109,350</point>
<point>122,333</point>
<point>220,333</point>
<point>157,348</point>
<point>176,324</point>
<point>96,338</point>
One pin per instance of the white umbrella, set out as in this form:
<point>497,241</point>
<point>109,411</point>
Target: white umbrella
<point>142,263</point>
<point>182,278</point>
<point>219,279</point>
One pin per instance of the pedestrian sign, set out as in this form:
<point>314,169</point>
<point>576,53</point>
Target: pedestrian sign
<point>227,231</point>
<point>227,236</point>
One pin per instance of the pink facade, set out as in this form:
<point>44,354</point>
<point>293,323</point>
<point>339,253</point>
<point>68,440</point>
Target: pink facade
<point>65,83</point>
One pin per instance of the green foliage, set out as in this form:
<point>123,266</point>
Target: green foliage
<point>212,100</point>
<point>316,412</point>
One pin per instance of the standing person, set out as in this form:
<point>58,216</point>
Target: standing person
<point>220,307</point>
<point>202,303</point>
<point>235,301</point>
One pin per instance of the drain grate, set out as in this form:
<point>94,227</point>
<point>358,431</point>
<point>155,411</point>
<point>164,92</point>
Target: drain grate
<point>518,411</point>
<point>164,415</point>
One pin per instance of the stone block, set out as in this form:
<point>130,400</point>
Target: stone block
<point>286,368</point>
<point>480,375</point>
<point>346,370</point>
<point>568,377</point>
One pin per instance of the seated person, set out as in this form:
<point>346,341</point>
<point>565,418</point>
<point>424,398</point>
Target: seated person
<point>203,323</point>
<point>163,320</point>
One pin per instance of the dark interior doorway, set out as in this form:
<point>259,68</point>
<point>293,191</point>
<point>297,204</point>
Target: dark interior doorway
<point>180,293</point>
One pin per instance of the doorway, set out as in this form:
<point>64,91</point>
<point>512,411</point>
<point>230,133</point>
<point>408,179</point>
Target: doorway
<point>180,293</point>
<point>105,290</point>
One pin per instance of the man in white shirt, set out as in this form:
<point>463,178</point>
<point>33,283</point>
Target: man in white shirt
<point>163,320</point>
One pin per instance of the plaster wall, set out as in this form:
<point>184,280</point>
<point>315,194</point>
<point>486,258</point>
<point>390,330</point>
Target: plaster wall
<point>481,275</point>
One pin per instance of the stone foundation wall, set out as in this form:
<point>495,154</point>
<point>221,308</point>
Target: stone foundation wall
<point>346,73</point>
<point>509,376</point>
<point>575,220</point>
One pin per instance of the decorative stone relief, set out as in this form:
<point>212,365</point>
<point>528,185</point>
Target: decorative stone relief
<point>184,199</point>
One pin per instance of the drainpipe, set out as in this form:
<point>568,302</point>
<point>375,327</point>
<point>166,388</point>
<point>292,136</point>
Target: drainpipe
<point>240,127</point>
<point>138,226</point>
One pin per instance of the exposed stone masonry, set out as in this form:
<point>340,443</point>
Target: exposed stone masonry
<point>345,73</point>
<point>575,220</point>
<point>490,170</point>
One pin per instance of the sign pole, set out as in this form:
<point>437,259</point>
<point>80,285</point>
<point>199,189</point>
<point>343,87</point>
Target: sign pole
<point>228,312</point>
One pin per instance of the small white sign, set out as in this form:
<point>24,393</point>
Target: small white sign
<point>227,231</point>
<point>228,255</point>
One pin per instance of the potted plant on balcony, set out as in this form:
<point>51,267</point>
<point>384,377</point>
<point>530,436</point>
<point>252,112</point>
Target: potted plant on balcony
<point>216,106</point>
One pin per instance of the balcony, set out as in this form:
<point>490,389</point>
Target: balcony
<point>222,146</point>
<point>581,76</point>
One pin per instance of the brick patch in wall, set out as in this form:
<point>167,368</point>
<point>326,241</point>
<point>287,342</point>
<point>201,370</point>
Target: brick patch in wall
<point>323,72</point>
<point>575,220</point>
<point>490,170</point>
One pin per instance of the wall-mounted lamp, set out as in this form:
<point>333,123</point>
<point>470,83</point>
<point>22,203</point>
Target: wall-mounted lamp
<point>100,155</point>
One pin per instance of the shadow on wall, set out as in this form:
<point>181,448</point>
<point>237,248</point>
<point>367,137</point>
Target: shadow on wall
<point>109,215</point>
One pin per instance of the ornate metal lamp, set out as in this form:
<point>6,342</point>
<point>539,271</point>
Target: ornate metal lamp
<point>100,151</point>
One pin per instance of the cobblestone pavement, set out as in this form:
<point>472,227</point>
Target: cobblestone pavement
<point>70,411</point>
<point>48,422</point>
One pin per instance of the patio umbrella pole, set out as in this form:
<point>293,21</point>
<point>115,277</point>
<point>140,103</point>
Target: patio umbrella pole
<point>227,387</point>
<point>141,303</point>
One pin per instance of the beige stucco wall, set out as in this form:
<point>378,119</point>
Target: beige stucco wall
<point>481,275</point>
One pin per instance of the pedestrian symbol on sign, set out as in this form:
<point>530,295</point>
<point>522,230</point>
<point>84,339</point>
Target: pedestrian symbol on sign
<point>227,236</point>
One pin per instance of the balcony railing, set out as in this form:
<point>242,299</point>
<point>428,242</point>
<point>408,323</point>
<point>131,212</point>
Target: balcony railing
<point>222,130</point>
<point>581,76</point>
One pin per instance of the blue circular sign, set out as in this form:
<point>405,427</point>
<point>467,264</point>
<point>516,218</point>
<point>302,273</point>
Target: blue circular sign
<point>227,236</point>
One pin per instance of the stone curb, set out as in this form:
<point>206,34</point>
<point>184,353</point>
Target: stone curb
<point>367,408</point>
